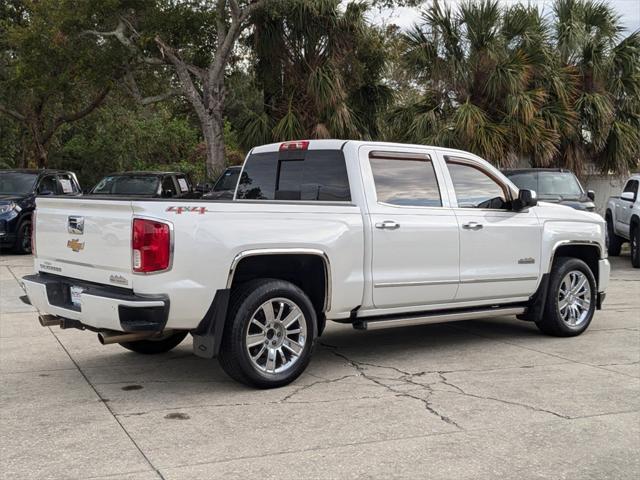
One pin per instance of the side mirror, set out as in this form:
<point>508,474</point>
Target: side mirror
<point>167,193</point>
<point>526,199</point>
<point>45,192</point>
<point>592,195</point>
<point>629,196</point>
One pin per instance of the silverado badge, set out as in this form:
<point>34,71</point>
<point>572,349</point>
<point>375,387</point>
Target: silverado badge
<point>75,245</point>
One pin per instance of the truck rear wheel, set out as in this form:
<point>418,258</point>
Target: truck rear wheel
<point>614,242</point>
<point>635,245</point>
<point>571,299</point>
<point>269,334</point>
<point>155,346</point>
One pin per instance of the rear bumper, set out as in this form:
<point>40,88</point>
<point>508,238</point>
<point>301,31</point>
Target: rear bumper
<point>101,307</point>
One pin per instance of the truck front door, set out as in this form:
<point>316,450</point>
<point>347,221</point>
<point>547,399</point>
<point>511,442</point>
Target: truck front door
<point>499,248</point>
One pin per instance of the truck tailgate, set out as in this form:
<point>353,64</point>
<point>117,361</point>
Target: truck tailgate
<point>85,239</point>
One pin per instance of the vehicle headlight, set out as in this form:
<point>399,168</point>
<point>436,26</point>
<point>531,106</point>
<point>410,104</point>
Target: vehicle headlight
<point>8,207</point>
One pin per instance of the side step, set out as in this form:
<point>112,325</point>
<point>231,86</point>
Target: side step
<point>388,321</point>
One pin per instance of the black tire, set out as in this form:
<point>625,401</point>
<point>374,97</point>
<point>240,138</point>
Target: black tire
<point>244,304</point>
<point>635,245</point>
<point>153,347</point>
<point>614,242</point>
<point>23,238</point>
<point>552,322</point>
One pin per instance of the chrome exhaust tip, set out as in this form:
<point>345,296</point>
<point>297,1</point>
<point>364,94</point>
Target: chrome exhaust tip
<point>107,338</point>
<point>49,320</point>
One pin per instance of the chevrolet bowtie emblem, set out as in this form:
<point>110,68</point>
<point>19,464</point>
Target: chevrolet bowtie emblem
<point>75,245</point>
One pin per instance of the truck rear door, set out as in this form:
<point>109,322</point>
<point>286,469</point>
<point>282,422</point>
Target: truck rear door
<point>415,238</point>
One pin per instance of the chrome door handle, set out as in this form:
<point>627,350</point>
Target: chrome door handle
<point>388,225</point>
<point>472,226</point>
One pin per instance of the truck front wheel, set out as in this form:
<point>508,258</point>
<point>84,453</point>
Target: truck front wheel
<point>269,334</point>
<point>571,299</point>
<point>614,242</point>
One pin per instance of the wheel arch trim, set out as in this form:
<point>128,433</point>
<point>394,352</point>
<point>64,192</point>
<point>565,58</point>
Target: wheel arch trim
<point>584,243</point>
<point>286,251</point>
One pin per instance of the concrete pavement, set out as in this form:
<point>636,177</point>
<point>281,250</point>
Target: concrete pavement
<point>481,399</point>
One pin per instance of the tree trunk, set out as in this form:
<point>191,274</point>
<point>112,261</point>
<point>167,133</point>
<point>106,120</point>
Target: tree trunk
<point>214,143</point>
<point>40,153</point>
<point>213,131</point>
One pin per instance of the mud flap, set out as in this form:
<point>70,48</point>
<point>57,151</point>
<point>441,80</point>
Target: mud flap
<point>208,336</point>
<point>535,307</point>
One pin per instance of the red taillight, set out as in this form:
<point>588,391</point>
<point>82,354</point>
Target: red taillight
<point>297,145</point>
<point>151,244</point>
<point>33,233</point>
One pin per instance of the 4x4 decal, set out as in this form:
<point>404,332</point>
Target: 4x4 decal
<point>180,210</point>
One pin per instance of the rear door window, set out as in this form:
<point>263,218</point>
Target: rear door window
<point>183,184</point>
<point>68,185</point>
<point>312,175</point>
<point>408,180</point>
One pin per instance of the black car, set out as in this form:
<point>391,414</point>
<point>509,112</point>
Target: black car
<point>18,191</point>
<point>225,186</point>
<point>146,184</point>
<point>554,185</point>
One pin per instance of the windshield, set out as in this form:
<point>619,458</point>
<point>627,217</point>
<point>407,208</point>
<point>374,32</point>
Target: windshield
<point>227,181</point>
<point>127,185</point>
<point>548,184</point>
<point>17,183</point>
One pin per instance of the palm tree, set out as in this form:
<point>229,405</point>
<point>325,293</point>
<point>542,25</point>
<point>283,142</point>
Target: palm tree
<point>587,35</point>
<point>320,69</point>
<point>506,83</point>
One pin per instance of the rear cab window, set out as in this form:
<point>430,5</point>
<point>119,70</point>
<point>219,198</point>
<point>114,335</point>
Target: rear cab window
<point>307,175</point>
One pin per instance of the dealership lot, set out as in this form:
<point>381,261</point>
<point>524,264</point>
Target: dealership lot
<point>477,399</point>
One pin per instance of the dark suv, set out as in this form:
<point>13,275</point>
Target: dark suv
<point>18,190</point>
<point>554,185</point>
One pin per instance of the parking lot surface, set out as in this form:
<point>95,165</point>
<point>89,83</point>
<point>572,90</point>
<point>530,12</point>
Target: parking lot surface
<point>477,399</point>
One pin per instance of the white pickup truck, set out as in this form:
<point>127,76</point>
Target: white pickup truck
<point>371,234</point>
<point>623,220</point>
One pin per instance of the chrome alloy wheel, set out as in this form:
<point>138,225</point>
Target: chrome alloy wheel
<point>276,335</point>
<point>574,298</point>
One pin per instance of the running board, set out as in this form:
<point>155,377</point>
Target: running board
<point>375,323</point>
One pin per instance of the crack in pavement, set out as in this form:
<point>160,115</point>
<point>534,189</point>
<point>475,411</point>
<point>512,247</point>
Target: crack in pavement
<point>309,385</point>
<point>408,378</point>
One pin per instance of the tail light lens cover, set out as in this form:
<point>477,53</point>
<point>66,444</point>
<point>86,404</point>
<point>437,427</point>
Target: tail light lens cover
<point>151,245</point>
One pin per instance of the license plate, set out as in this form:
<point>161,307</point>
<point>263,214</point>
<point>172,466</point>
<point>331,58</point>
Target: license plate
<point>75,295</point>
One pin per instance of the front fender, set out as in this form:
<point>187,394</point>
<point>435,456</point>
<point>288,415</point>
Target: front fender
<point>556,233</point>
